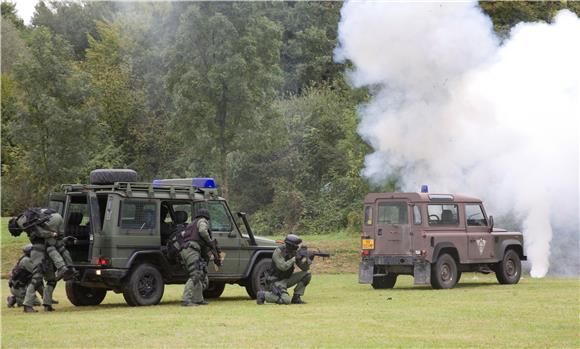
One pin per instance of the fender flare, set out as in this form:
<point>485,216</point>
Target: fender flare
<point>156,254</point>
<point>507,243</point>
<point>257,255</point>
<point>440,246</point>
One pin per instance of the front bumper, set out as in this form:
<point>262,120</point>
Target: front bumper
<point>416,266</point>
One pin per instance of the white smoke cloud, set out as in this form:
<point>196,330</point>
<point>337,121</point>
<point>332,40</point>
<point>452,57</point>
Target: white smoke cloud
<point>454,108</point>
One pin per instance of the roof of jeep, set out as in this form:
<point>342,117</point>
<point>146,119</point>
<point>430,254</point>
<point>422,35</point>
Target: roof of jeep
<point>421,197</point>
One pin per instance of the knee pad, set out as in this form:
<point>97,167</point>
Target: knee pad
<point>306,279</point>
<point>36,281</point>
<point>197,276</point>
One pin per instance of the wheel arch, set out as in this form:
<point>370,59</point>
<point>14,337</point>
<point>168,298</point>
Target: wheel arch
<point>153,257</point>
<point>445,247</point>
<point>256,257</point>
<point>512,244</point>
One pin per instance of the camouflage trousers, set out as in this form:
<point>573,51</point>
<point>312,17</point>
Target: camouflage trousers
<point>197,270</point>
<point>279,290</point>
<point>42,267</point>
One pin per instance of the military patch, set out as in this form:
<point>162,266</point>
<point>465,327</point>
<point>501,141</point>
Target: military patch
<point>481,244</point>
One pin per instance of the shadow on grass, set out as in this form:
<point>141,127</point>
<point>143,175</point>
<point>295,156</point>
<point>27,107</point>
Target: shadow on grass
<point>460,285</point>
<point>171,303</point>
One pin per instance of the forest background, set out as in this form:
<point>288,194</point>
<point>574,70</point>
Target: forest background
<point>246,92</point>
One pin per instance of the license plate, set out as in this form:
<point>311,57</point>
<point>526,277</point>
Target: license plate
<point>368,244</point>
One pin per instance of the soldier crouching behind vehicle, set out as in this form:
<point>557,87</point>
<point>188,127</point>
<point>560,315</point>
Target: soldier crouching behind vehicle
<point>282,275</point>
<point>195,242</point>
<point>20,278</point>
<point>44,227</point>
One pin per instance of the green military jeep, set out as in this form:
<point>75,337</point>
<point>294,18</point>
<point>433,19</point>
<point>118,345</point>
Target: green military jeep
<point>120,228</point>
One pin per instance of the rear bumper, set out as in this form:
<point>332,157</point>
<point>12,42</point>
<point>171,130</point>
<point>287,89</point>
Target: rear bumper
<point>93,277</point>
<point>376,266</point>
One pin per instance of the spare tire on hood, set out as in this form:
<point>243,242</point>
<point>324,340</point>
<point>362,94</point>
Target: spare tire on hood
<point>110,176</point>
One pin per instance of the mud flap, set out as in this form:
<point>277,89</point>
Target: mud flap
<point>422,273</point>
<point>365,272</point>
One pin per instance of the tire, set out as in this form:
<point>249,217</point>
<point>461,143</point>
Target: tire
<point>384,282</point>
<point>144,287</point>
<point>444,273</point>
<point>509,270</point>
<point>214,290</point>
<point>84,296</point>
<point>110,176</point>
<point>257,280</point>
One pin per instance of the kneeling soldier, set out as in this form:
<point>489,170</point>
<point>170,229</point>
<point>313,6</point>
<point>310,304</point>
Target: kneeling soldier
<point>282,275</point>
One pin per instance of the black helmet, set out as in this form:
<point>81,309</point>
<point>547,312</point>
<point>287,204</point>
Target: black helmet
<point>13,227</point>
<point>202,212</point>
<point>27,249</point>
<point>292,241</point>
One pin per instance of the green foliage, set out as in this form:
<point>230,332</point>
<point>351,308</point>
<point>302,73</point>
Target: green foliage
<point>9,15</point>
<point>506,14</point>
<point>53,125</point>
<point>224,75</point>
<point>72,20</point>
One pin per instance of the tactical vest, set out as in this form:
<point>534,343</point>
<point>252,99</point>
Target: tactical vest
<point>282,274</point>
<point>192,234</point>
<point>20,276</point>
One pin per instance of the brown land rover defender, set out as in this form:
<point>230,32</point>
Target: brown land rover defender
<point>434,237</point>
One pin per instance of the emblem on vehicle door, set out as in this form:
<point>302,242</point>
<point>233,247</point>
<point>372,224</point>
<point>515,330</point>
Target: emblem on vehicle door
<point>481,244</point>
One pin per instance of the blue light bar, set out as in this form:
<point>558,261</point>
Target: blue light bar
<point>203,183</point>
<point>207,183</point>
<point>424,188</point>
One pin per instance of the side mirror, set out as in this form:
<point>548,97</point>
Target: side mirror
<point>490,224</point>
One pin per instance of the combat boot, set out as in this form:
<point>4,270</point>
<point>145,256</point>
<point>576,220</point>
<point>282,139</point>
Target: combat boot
<point>204,302</point>
<point>297,300</point>
<point>189,304</point>
<point>48,308</point>
<point>65,273</point>
<point>54,301</point>
<point>29,309</point>
<point>11,301</point>
<point>260,297</point>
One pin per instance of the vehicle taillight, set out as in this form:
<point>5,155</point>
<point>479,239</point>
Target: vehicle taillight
<point>365,252</point>
<point>103,262</point>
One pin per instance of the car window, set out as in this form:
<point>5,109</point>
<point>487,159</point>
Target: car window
<point>417,215</point>
<point>368,215</point>
<point>392,213</point>
<point>138,215</point>
<point>219,216</point>
<point>185,208</point>
<point>474,215</point>
<point>443,214</point>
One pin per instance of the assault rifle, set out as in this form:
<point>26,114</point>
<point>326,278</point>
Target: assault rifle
<point>303,251</point>
<point>215,251</point>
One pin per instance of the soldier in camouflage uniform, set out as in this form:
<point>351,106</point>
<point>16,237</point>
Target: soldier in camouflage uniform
<point>21,276</point>
<point>195,241</point>
<point>44,227</point>
<point>282,275</point>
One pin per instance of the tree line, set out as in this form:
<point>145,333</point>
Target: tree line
<point>246,92</point>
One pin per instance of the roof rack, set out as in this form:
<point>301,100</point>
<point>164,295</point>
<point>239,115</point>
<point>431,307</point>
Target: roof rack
<point>128,188</point>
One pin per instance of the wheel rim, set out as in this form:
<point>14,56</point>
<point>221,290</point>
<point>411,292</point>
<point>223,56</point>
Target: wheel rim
<point>146,286</point>
<point>510,268</point>
<point>262,281</point>
<point>446,274</point>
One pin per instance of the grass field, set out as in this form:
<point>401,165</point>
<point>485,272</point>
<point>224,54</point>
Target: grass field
<point>341,313</point>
